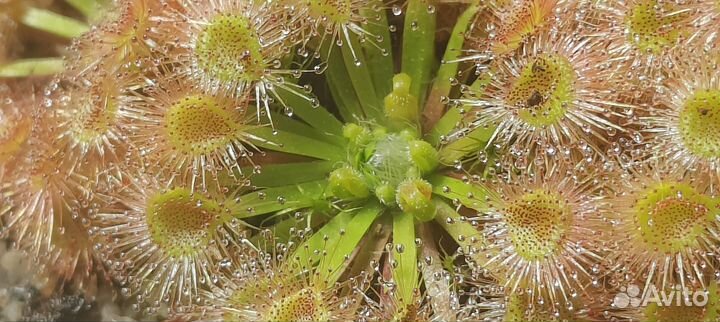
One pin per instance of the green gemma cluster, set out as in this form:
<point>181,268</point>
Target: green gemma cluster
<point>389,165</point>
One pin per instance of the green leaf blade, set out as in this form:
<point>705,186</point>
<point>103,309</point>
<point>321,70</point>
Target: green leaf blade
<point>276,175</point>
<point>288,124</point>
<point>405,274</point>
<point>317,116</point>
<point>379,54</point>
<point>343,232</point>
<point>32,67</point>
<point>470,195</point>
<point>473,142</point>
<point>449,68</point>
<point>362,82</point>
<point>54,23</point>
<point>341,88</point>
<point>464,233</point>
<point>292,143</point>
<point>333,265</point>
<point>418,55</point>
<point>285,199</point>
<point>444,126</point>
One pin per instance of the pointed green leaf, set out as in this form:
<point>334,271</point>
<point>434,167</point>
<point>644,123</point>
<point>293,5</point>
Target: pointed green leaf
<point>473,142</point>
<point>341,88</point>
<point>462,231</point>
<point>362,82</point>
<point>281,229</point>
<point>338,238</point>
<point>470,195</point>
<point>452,117</point>
<point>373,245</point>
<point>418,53</point>
<point>286,198</point>
<point>334,264</point>
<point>448,69</point>
<point>297,127</point>
<point>32,67</point>
<point>276,175</point>
<point>404,252</point>
<point>295,144</point>
<point>318,117</point>
<point>379,60</point>
<point>53,23</point>
<point>467,236</point>
<point>444,126</point>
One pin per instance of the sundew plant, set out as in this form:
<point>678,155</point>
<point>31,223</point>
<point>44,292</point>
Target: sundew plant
<point>369,160</point>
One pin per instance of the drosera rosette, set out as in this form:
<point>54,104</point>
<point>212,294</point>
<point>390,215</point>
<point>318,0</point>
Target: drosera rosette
<point>75,143</point>
<point>505,25</point>
<point>119,38</point>
<point>83,116</point>
<point>643,35</point>
<point>282,279</point>
<point>71,264</point>
<point>49,217</point>
<point>162,241</point>
<point>556,95</point>
<point>501,28</point>
<point>197,137</point>
<point>232,48</point>
<point>545,234</point>
<point>347,25</point>
<point>16,121</point>
<point>381,179</point>
<point>665,228</point>
<point>683,126</point>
